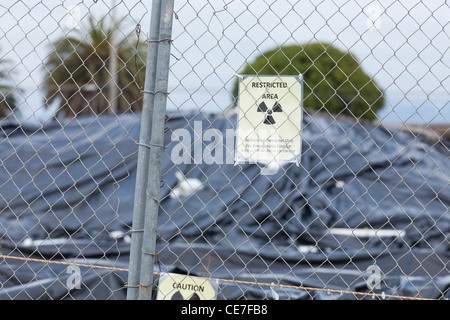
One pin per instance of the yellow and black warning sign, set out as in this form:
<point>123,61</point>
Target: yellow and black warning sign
<point>174,286</point>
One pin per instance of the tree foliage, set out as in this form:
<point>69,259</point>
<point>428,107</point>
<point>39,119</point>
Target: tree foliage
<point>333,79</point>
<point>79,75</point>
<point>8,100</point>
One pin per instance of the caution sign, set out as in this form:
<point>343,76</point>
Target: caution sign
<point>174,286</point>
<point>270,117</point>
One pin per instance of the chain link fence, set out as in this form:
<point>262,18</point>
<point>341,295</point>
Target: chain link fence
<point>356,208</point>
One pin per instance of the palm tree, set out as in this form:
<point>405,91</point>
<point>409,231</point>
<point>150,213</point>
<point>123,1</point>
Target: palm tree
<point>78,73</point>
<point>8,101</point>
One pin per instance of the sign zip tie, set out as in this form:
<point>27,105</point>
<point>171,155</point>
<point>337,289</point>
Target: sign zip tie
<point>148,146</point>
<point>154,92</point>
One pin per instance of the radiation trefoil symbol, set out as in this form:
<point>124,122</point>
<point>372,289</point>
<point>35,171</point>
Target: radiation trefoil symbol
<point>268,117</point>
<point>178,296</point>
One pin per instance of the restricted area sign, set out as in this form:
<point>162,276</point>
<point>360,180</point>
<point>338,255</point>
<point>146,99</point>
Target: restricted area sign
<point>174,286</point>
<point>270,118</point>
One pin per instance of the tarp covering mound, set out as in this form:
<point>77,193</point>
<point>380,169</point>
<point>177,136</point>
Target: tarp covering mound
<point>361,196</point>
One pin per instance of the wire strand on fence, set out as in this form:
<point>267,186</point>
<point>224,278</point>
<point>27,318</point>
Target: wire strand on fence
<point>250,283</point>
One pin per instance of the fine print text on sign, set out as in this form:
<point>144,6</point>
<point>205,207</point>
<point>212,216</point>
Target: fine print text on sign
<point>270,117</point>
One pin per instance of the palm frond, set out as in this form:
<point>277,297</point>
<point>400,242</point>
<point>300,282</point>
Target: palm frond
<point>78,70</point>
<point>8,97</point>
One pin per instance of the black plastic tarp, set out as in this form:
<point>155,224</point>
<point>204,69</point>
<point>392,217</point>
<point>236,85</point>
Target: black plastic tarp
<point>67,192</point>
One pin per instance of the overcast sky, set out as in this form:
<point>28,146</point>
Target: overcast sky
<point>404,45</point>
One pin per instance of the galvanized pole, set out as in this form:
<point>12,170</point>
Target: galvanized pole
<point>156,149</point>
<point>113,88</point>
<point>143,155</point>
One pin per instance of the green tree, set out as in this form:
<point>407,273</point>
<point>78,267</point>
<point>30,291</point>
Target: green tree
<point>333,79</point>
<point>79,75</point>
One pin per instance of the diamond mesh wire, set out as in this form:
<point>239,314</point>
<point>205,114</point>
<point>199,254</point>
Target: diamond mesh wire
<point>361,213</point>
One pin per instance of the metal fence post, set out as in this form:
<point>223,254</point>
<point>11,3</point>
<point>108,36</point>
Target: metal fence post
<point>156,149</point>
<point>144,154</point>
